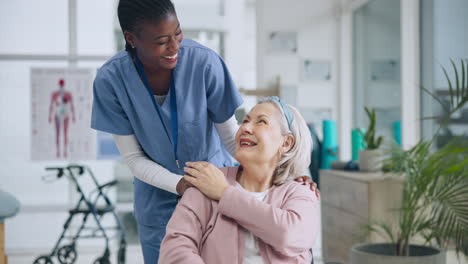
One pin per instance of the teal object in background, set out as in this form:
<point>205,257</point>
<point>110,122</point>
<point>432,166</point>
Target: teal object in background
<point>329,144</point>
<point>357,142</point>
<point>397,131</point>
<point>9,206</point>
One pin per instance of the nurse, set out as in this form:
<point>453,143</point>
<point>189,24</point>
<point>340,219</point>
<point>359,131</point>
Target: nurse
<point>166,100</point>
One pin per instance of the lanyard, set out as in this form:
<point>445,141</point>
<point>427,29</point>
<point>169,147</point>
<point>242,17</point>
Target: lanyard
<point>174,122</point>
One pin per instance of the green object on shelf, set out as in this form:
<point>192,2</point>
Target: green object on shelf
<point>329,144</point>
<point>357,142</point>
<point>397,131</point>
<point>370,137</point>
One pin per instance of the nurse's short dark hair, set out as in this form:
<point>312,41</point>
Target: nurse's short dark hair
<point>132,13</point>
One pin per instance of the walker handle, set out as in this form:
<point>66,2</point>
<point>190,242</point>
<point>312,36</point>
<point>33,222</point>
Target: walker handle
<point>109,184</point>
<point>59,170</point>
<point>78,167</point>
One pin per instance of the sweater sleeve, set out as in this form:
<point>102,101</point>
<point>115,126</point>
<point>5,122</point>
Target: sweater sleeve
<point>227,132</point>
<point>185,229</point>
<point>143,167</point>
<point>290,229</point>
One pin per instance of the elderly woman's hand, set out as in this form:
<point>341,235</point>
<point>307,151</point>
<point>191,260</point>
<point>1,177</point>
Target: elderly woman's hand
<point>207,178</point>
<point>313,186</point>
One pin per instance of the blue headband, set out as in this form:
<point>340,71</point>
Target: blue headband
<point>286,111</point>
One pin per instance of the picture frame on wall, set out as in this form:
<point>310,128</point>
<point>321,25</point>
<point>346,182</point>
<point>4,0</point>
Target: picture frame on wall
<point>282,42</point>
<point>315,70</point>
<point>385,70</point>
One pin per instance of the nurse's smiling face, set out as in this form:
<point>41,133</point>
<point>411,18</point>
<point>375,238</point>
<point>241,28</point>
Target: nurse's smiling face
<point>157,43</point>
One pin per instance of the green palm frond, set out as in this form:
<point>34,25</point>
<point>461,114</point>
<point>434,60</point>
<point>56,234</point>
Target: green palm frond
<point>448,173</point>
<point>458,89</point>
<point>445,106</point>
<point>435,190</point>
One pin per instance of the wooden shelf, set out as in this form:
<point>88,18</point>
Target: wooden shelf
<point>349,200</point>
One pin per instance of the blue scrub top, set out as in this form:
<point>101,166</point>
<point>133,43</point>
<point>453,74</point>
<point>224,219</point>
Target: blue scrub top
<point>205,93</point>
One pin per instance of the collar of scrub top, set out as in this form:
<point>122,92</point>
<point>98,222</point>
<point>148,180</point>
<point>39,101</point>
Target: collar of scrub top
<point>286,111</point>
<point>174,123</point>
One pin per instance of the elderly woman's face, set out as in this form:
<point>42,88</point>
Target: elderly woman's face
<point>259,137</point>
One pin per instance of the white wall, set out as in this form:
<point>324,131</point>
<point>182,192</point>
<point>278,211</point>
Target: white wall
<point>202,14</point>
<point>240,42</point>
<point>377,39</point>
<point>236,19</point>
<point>41,28</point>
<point>315,23</point>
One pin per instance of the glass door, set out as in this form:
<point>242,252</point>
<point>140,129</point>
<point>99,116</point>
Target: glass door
<point>443,38</point>
<point>376,60</point>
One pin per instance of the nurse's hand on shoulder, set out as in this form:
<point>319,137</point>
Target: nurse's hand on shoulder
<point>182,186</point>
<point>313,186</point>
<point>207,178</point>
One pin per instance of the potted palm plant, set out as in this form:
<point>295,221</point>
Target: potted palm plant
<point>434,207</point>
<point>370,158</point>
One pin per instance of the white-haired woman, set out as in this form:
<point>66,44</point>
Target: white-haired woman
<point>253,213</point>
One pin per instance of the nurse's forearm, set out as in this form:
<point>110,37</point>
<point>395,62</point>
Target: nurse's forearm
<point>143,167</point>
<point>227,131</point>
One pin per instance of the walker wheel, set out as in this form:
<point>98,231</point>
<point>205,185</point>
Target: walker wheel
<point>102,260</point>
<point>67,254</point>
<point>121,253</point>
<point>43,260</point>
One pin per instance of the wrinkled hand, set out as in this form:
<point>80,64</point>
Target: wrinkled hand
<point>207,178</point>
<point>313,186</point>
<point>182,186</point>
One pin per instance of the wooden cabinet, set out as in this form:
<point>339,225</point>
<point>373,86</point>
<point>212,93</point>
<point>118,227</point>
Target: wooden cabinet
<point>349,201</point>
<point>3,258</point>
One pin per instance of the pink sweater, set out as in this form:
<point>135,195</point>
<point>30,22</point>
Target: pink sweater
<point>206,231</point>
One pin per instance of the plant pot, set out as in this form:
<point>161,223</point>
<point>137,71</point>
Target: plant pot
<point>385,254</point>
<point>370,160</point>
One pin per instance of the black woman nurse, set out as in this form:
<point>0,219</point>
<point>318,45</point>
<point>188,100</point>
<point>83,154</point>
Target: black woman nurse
<point>165,99</point>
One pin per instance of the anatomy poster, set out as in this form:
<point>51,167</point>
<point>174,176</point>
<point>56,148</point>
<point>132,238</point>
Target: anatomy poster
<point>60,114</point>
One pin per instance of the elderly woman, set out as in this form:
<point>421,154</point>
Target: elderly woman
<point>253,213</point>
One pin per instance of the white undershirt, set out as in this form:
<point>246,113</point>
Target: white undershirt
<point>251,251</point>
<point>154,174</point>
<point>160,98</point>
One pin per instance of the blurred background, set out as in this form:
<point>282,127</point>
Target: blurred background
<point>329,58</point>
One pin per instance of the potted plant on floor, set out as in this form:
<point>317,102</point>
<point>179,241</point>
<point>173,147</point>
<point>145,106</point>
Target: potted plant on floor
<point>370,158</point>
<point>434,206</point>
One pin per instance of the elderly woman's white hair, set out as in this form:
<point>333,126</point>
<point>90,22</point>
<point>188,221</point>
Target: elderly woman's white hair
<point>295,162</point>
